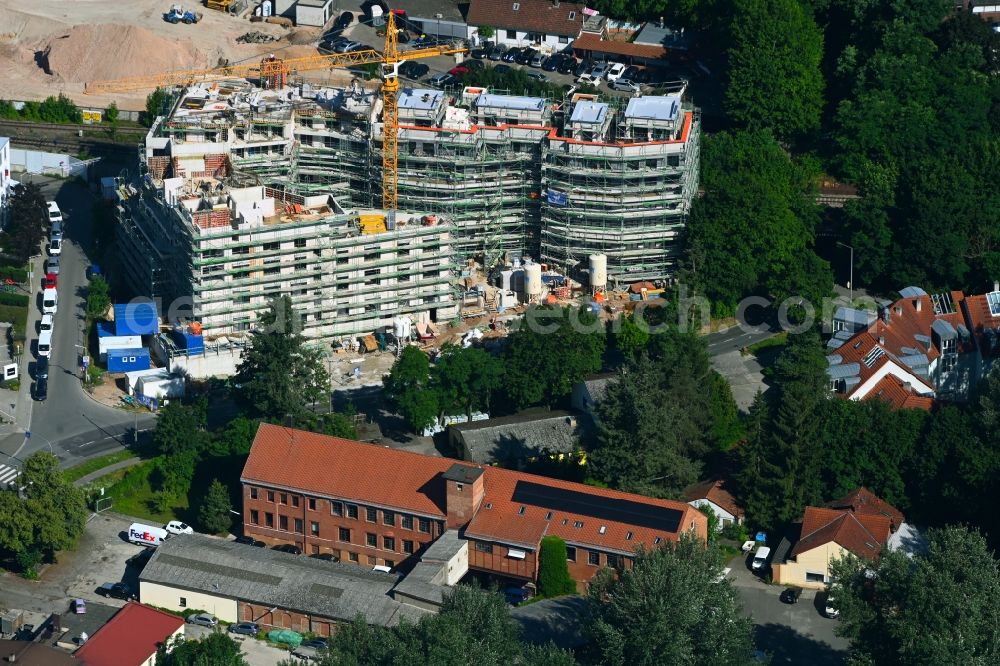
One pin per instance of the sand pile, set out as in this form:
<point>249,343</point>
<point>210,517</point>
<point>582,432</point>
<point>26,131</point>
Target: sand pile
<point>105,51</point>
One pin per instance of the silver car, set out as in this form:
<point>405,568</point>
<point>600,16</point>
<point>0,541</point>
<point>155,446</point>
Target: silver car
<point>203,619</point>
<point>52,265</point>
<point>625,85</point>
<point>344,47</point>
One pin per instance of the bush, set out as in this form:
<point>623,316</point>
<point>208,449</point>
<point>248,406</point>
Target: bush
<point>17,300</point>
<point>553,572</point>
<point>14,273</point>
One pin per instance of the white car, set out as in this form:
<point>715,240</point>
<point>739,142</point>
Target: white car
<point>55,215</point>
<point>177,527</point>
<point>615,72</point>
<point>50,301</point>
<point>587,77</point>
<point>830,608</point>
<point>55,247</point>
<point>46,324</point>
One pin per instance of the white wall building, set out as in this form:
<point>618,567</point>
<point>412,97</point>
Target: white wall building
<point>5,180</point>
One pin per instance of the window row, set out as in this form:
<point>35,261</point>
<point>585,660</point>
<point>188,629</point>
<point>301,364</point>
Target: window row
<point>593,556</point>
<point>348,510</point>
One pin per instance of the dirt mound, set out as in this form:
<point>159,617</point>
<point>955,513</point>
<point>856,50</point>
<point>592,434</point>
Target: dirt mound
<point>96,52</point>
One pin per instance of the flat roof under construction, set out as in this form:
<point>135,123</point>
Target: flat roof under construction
<point>589,112</point>
<point>654,108</point>
<point>422,99</point>
<point>510,102</point>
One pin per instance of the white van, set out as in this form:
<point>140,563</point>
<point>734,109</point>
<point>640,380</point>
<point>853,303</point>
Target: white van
<point>55,215</point>
<point>45,343</point>
<point>50,301</point>
<point>146,535</point>
<point>761,558</point>
<point>46,324</point>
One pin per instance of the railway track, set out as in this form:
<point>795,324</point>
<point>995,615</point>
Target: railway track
<point>67,139</point>
<point>19,127</point>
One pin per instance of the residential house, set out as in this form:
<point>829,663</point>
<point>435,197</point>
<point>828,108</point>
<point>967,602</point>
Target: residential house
<point>514,440</point>
<point>550,24</point>
<point>588,393</point>
<point>374,505</point>
<point>859,523</point>
<point>26,653</point>
<point>715,496</point>
<point>131,638</point>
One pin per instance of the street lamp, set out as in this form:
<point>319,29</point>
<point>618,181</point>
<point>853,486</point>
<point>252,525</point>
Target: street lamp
<point>850,283</point>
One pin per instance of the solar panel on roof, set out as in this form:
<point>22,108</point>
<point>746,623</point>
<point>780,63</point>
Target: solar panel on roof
<point>993,300</point>
<point>604,508</point>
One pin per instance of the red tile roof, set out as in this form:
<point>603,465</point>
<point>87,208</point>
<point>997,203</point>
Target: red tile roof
<point>541,16</point>
<point>865,502</point>
<point>862,534</point>
<point>977,311</point>
<point>715,491</point>
<point>130,638</point>
<point>590,41</point>
<point>899,394</point>
<point>410,482</point>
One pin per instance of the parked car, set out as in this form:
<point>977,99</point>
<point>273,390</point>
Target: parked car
<point>203,619</point>
<point>245,628</point>
<point>600,70</point>
<point>551,63</point>
<point>55,215</point>
<point>330,43</point>
<point>497,52</point>
<point>615,72</point>
<point>511,54</point>
<point>568,65</point>
<point>42,368</point>
<point>50,301</point>
<point>46,323</point>
<point>503,69</point>
<point>56,230</point>
<point>538,76</point>
<point>79,606</point>
<point>479,54</point>
<point>442,80</point>
<point>625,85</point>
<point>515,595</point>
<point>588,78</point>
<point>791,595</point>
<point>41,387</point>
<point>177,527</point>
<point>52,265</point>
<point>583,67</point>
<point>115,591</point>
<point>830,608</point>
<point>631,72</point>
<point>344,20</point>
<point>49,281</point>
<point>537,59</point>
<point>316,644</point>
<point>525,56</point>
<point>346,46</point>
<point>289,548</point>
<point>250,541</point>
<point>418,70</point>
<point>473,65</point>
<point>326,557</point>
<point>458,71</point>
<point>306,653</point>
<point>55,247</point>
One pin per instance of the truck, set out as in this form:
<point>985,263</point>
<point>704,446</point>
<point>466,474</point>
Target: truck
<point>146,535</point>
<point>178,14</point>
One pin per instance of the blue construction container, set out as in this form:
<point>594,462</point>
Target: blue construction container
<point>127,360</point>
<point>105,329</point>
<point>136,318</point>
<point>193,344</point>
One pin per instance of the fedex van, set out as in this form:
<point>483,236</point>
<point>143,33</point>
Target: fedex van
<point>146,535</point>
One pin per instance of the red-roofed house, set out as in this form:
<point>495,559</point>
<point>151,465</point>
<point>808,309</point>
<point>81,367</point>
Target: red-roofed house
<point>860,523</point>
<point>547,23</point>
<point>131,637</point>
<point>374,505</point>
<point>714,495</point>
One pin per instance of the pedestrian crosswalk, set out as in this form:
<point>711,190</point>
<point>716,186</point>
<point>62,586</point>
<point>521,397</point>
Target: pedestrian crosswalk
<point>7,474</point>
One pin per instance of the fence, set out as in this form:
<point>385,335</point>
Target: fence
<point>36,161</point>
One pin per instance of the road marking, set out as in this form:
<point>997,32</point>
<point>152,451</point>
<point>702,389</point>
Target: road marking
<point>8,474</point>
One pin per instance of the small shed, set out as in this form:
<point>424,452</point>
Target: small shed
<point>313,12</point>
<point>160,386</point>
<point>127,360</point>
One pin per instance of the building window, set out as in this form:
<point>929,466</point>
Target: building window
<point>425,525</point>
<point>284,498</point>
<point>390,563</point>
<point>352,511</point>
<point>283,523</point>
<point>269,519</point>
<point>253,493</point>
<point>563,40</point>
<point>570,554</point>
<point>484,547</point>
<point>345,535</point>
<point>336,508</point>
<point>512,34</point>
<point>371,515</point>
<point>183,602</point>
<point>813,577</point>
<point>613,560</point>
<point>353,557</point>
<point>295,500</point>
<point>389,518</point>
<point>371,539</point>
<point>593,559</point>
<point>254,517</point>
<point>312,504</point>
<point>407,546</point>
<point>372,561</point>
<point>407,522</point>
<point>270,495</point>
<point>389,543</point>
<point>314,528</point>
<point>315,549</point>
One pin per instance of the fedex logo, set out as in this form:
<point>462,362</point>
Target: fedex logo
<point>142,536</point>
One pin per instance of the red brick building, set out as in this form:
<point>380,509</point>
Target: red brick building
<point>371,505</point>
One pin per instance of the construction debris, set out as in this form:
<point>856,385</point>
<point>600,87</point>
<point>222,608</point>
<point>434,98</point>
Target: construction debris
<point>280,20</point>
<point>256,37</point>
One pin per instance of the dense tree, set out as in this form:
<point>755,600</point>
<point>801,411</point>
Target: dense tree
<point>669,608</point>
<point>630,335</point>
<point>553,349</point>
<point>155,102</point>
<point>213,513</point>
<point>98,297</point>
<point>723,413</point>
<point>774,67</point>
<point>464,378</point>
<point>553,572</point>
<point>937,607</point>
<point>16,532</point>
<point>407,387</point>
<point>216,649</point>
<point>752,231</point>
<point>27,218</point>
<point>279,376</point>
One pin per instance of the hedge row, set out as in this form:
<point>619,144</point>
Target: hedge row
<point>17,300</point>
<point>14,273</point>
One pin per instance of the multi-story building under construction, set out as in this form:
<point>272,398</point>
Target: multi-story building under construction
<point>249,193</point>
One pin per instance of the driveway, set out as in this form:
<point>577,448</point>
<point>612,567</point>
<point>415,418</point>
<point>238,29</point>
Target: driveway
<point>255,652</point>
<point>790,633</point>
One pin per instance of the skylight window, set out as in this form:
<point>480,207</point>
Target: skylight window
<point>603,529</point>
<point>548,515</point>
<point>578,523</point>
<point>993,300</point>
<point>628,536</point>
<point>520,511</point>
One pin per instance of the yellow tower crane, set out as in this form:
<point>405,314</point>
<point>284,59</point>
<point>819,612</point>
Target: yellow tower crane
<point>273,72</point>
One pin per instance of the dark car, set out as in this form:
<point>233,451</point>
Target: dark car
<point>502,69</point>
<point>344,20</point>
<point>551,63</point>
<point>41,392</point>
<point>479,54</point>
<point>642,76</point>
<point>630,73</point>
<point>515,595</point>
<point>316,644</point>
<point>331,43</point>
<point>250,541</point>
<point>511,54</point>
<point>473,64</point>
<point>326,557</point>
<point>245,628</point>
<point>583,66</point>
<point>289,548</point>
<point>497,52</point>
<point>791,595</point>
<point>413,70</point>
<point>42,367</point>
<point>525,56</point>
<point>115,591</point>
<point>141,558</point>
<point>568,65</point>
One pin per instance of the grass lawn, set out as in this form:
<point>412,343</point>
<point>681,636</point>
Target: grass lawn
<point>95,464</point>
<point>17,316</point>
<point>774,342</point>
<point>132,494</point>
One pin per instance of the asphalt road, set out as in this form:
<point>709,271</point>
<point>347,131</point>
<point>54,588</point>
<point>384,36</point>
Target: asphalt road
<point>69,423</point>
